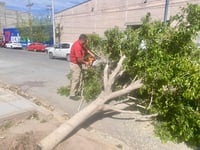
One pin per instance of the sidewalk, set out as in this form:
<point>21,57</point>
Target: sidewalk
<point>27,132</point>
<point>13,106</point>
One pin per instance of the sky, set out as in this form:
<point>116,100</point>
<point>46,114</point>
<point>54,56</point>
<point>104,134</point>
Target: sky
<point>40,6</point>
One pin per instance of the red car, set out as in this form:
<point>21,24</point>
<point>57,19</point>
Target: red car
<point>36,47</point>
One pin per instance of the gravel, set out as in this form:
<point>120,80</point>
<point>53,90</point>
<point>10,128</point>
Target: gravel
<point>138,135</point>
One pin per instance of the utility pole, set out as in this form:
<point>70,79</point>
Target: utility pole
<point>29,5</point>
<point>53,21</point>
<point>49,10</point>
<point>166,10</point>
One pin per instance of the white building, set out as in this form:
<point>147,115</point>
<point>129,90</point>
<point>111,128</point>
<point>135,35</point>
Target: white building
<point>10,18</point>
<point>96,16</point>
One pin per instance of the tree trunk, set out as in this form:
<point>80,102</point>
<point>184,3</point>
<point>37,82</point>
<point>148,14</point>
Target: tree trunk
<point>69,126</point>
<point>97,105</point>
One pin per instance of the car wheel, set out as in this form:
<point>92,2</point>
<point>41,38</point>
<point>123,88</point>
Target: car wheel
<point>68,57</point>
<point>51,55</point>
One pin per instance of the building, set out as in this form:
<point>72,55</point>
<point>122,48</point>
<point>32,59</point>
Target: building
<point>96,16</point>
<point>10,18</point>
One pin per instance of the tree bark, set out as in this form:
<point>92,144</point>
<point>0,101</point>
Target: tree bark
<point>69,126</point>
<point>97,105</point>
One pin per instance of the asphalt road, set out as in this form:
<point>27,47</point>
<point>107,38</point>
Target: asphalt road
<point>38,75</point>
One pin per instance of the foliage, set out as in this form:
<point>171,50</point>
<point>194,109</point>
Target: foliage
<point>94,42</point>
<point>36,30</point>
<point>92,83</point>
<point>169,64</point>
<point>169,69</point>
<point>92,77</point>
<point>170,73</point>
<point>58,32</point>
<point>64,91</point>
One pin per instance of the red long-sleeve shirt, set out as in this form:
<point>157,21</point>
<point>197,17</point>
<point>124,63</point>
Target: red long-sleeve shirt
<point>77,51</point>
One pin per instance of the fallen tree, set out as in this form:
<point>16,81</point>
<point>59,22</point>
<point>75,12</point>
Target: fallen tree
<point>168,64</point>
<point>98,105</point>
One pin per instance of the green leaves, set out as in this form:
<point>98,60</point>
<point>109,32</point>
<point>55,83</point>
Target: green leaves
<point>169,64</point>
<point>172,72</point>
<point>36,30</point>
<point>92,83</point>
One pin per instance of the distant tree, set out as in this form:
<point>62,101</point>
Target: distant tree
<point>35,30</point>
<point>58,31</point>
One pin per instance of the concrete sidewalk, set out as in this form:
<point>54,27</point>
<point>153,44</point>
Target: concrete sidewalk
<point>14,106</point>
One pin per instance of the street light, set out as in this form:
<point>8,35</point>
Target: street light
<point>53,21</point>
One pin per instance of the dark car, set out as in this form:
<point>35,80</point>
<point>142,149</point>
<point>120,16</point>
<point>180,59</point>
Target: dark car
<point>36,47</point>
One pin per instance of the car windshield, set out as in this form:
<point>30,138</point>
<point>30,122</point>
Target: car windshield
<point>65,45</point>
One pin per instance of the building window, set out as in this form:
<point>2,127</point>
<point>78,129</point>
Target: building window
<point>134,27</point>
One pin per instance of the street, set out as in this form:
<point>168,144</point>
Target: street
<point>38,75</point>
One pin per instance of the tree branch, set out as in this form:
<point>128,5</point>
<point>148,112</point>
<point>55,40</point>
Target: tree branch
<point>127,104</point>
<point>135,78</point>
<point>116,109</point>
<point>133,98</point>
<point>119,108</point>
<point>151,100</point>
<point>105,78</point>
<point>117,70</point>
<point>121,72</point>
<point>146,117</point>
<point>133,86</point>
<point>122,101</point>
<point>141,106</point>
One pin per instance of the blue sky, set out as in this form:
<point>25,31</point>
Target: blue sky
<point>40,6</point>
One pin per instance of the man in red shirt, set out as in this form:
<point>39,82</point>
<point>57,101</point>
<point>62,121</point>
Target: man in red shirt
<point>77,55</point>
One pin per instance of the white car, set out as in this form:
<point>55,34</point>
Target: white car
<point>13,45</point>
<point>60,51</point>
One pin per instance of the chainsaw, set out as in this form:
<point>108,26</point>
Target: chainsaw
<point>93,61</point>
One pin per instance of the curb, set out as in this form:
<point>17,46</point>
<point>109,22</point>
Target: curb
<point>41,105</point>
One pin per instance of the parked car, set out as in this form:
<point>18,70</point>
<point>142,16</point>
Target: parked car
<point>36,47</point>
<point>13,45</point>
<point>3,44</point>
<point>61,50</point>
<point>47,48</point>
